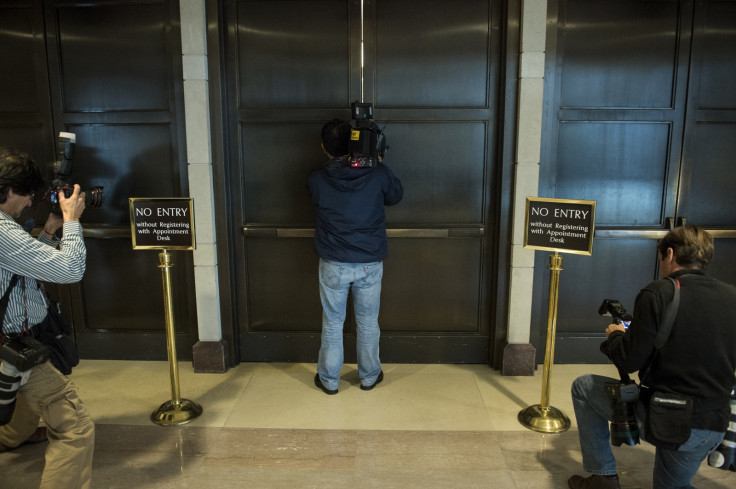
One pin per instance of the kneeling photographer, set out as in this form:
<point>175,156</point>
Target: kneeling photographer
<point>31,388</point>
<point>686,373</point>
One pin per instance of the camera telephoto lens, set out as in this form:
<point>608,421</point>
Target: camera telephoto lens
<point>94,197</point>
<point>624,430</point>
<point>9,385</point>
<point>623,397</point>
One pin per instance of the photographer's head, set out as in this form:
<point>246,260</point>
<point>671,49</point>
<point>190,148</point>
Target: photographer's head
<point>20,179</point>
<point>335,137</point>
<point>686,246</point>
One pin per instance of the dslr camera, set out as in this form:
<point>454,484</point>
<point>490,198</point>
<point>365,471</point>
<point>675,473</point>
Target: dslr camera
<point>18,354</point>
<point>63,180</point>
<point>624,394</point>
<point>367,141</point>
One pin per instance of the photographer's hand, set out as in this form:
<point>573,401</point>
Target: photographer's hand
<point>72,206</point>
<point>614,327</point>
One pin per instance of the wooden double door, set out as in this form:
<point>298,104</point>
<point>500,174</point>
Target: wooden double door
<point>431,70</point>
<point>641,118</point>
<point>109,72</point>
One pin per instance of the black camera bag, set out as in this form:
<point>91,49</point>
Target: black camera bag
<point>669,416</point>
<point>669,419</point>
<point>54,331</point>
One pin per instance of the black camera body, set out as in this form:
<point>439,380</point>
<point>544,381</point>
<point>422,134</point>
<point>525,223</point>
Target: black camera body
<point>63,181</point>
<point>18,354</point>
<point>23,352</point>
<point>614,309</point>
<point>623,395</point>
<point>367,142</point>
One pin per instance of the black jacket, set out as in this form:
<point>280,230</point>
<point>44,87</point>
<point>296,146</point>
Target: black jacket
<point>351,220</point>
<point>699,357</point>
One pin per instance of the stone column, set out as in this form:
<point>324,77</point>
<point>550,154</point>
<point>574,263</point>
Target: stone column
<point>519,356</point>
<point>210,352</point>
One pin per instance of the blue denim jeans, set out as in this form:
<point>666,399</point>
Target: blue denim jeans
<point>672,468</point>
<point>336,280</point>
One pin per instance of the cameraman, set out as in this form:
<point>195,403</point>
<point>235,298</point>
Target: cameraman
<point>698,360</point>
<point>350,239</point>
<point>45,394</point>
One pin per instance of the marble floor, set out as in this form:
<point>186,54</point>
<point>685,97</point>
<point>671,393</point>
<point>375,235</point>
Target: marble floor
<point>266,426</point>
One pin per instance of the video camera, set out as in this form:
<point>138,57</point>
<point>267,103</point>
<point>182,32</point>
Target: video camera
<point>62,182</point>
<point>367,142</point>
<point>624,394</point>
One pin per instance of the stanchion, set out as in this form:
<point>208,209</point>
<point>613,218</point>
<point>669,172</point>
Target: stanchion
<point>177,411</point>
<point>543,417</point>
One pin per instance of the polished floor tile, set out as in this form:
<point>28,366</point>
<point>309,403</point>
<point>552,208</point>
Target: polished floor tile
<point>266,426</point>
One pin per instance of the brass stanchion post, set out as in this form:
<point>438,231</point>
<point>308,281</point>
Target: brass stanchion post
<point>176,411</point>
<point>543,417</point>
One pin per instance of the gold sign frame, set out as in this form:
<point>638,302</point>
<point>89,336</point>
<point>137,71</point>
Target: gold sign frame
<point>563,222</point>
<point>161,203</point>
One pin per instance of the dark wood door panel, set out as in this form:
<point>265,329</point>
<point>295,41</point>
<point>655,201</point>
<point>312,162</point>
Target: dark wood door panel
<point>432,55</point>
<point>714,43</point>
<point>436,296</point>
<point>443,166</point>
<point>619,54</point>
<point>293,54</point>
<point>621,165</point>
<point>282,292</point>
<point>434,286</point>
<point>423,298</point>
<point>20,41</point>
<point>114,56</point>
<point>709,174</point>
<point>25,107</point>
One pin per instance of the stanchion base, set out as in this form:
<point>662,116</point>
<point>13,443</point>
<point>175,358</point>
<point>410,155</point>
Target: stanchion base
<point>544,420</point>
<point>173,413</point>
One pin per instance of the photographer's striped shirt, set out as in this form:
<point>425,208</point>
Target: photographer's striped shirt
<point>36,259</point>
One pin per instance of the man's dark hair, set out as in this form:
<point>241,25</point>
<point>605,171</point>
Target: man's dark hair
<point>19,173</point>
<point>336,137</point>
<point>691,244</point>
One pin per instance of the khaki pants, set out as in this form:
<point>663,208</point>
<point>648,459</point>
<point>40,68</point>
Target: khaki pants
<point>52,397</point>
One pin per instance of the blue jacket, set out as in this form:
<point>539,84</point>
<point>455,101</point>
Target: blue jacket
<point>351,219</point>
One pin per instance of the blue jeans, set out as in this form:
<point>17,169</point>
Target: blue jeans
<point>672,468</point>
<point>335,281</point>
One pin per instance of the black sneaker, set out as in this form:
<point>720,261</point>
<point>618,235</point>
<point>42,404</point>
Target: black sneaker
<point>378,381</point>
<point>318,383</point>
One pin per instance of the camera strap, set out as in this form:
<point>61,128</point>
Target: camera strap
<point>668,318</point>
<point>665,325</point>
<point>4,302</point>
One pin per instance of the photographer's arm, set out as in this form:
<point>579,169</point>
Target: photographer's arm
<point>53,223</point>
<point>36,259</point>
<point>632,349</point>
